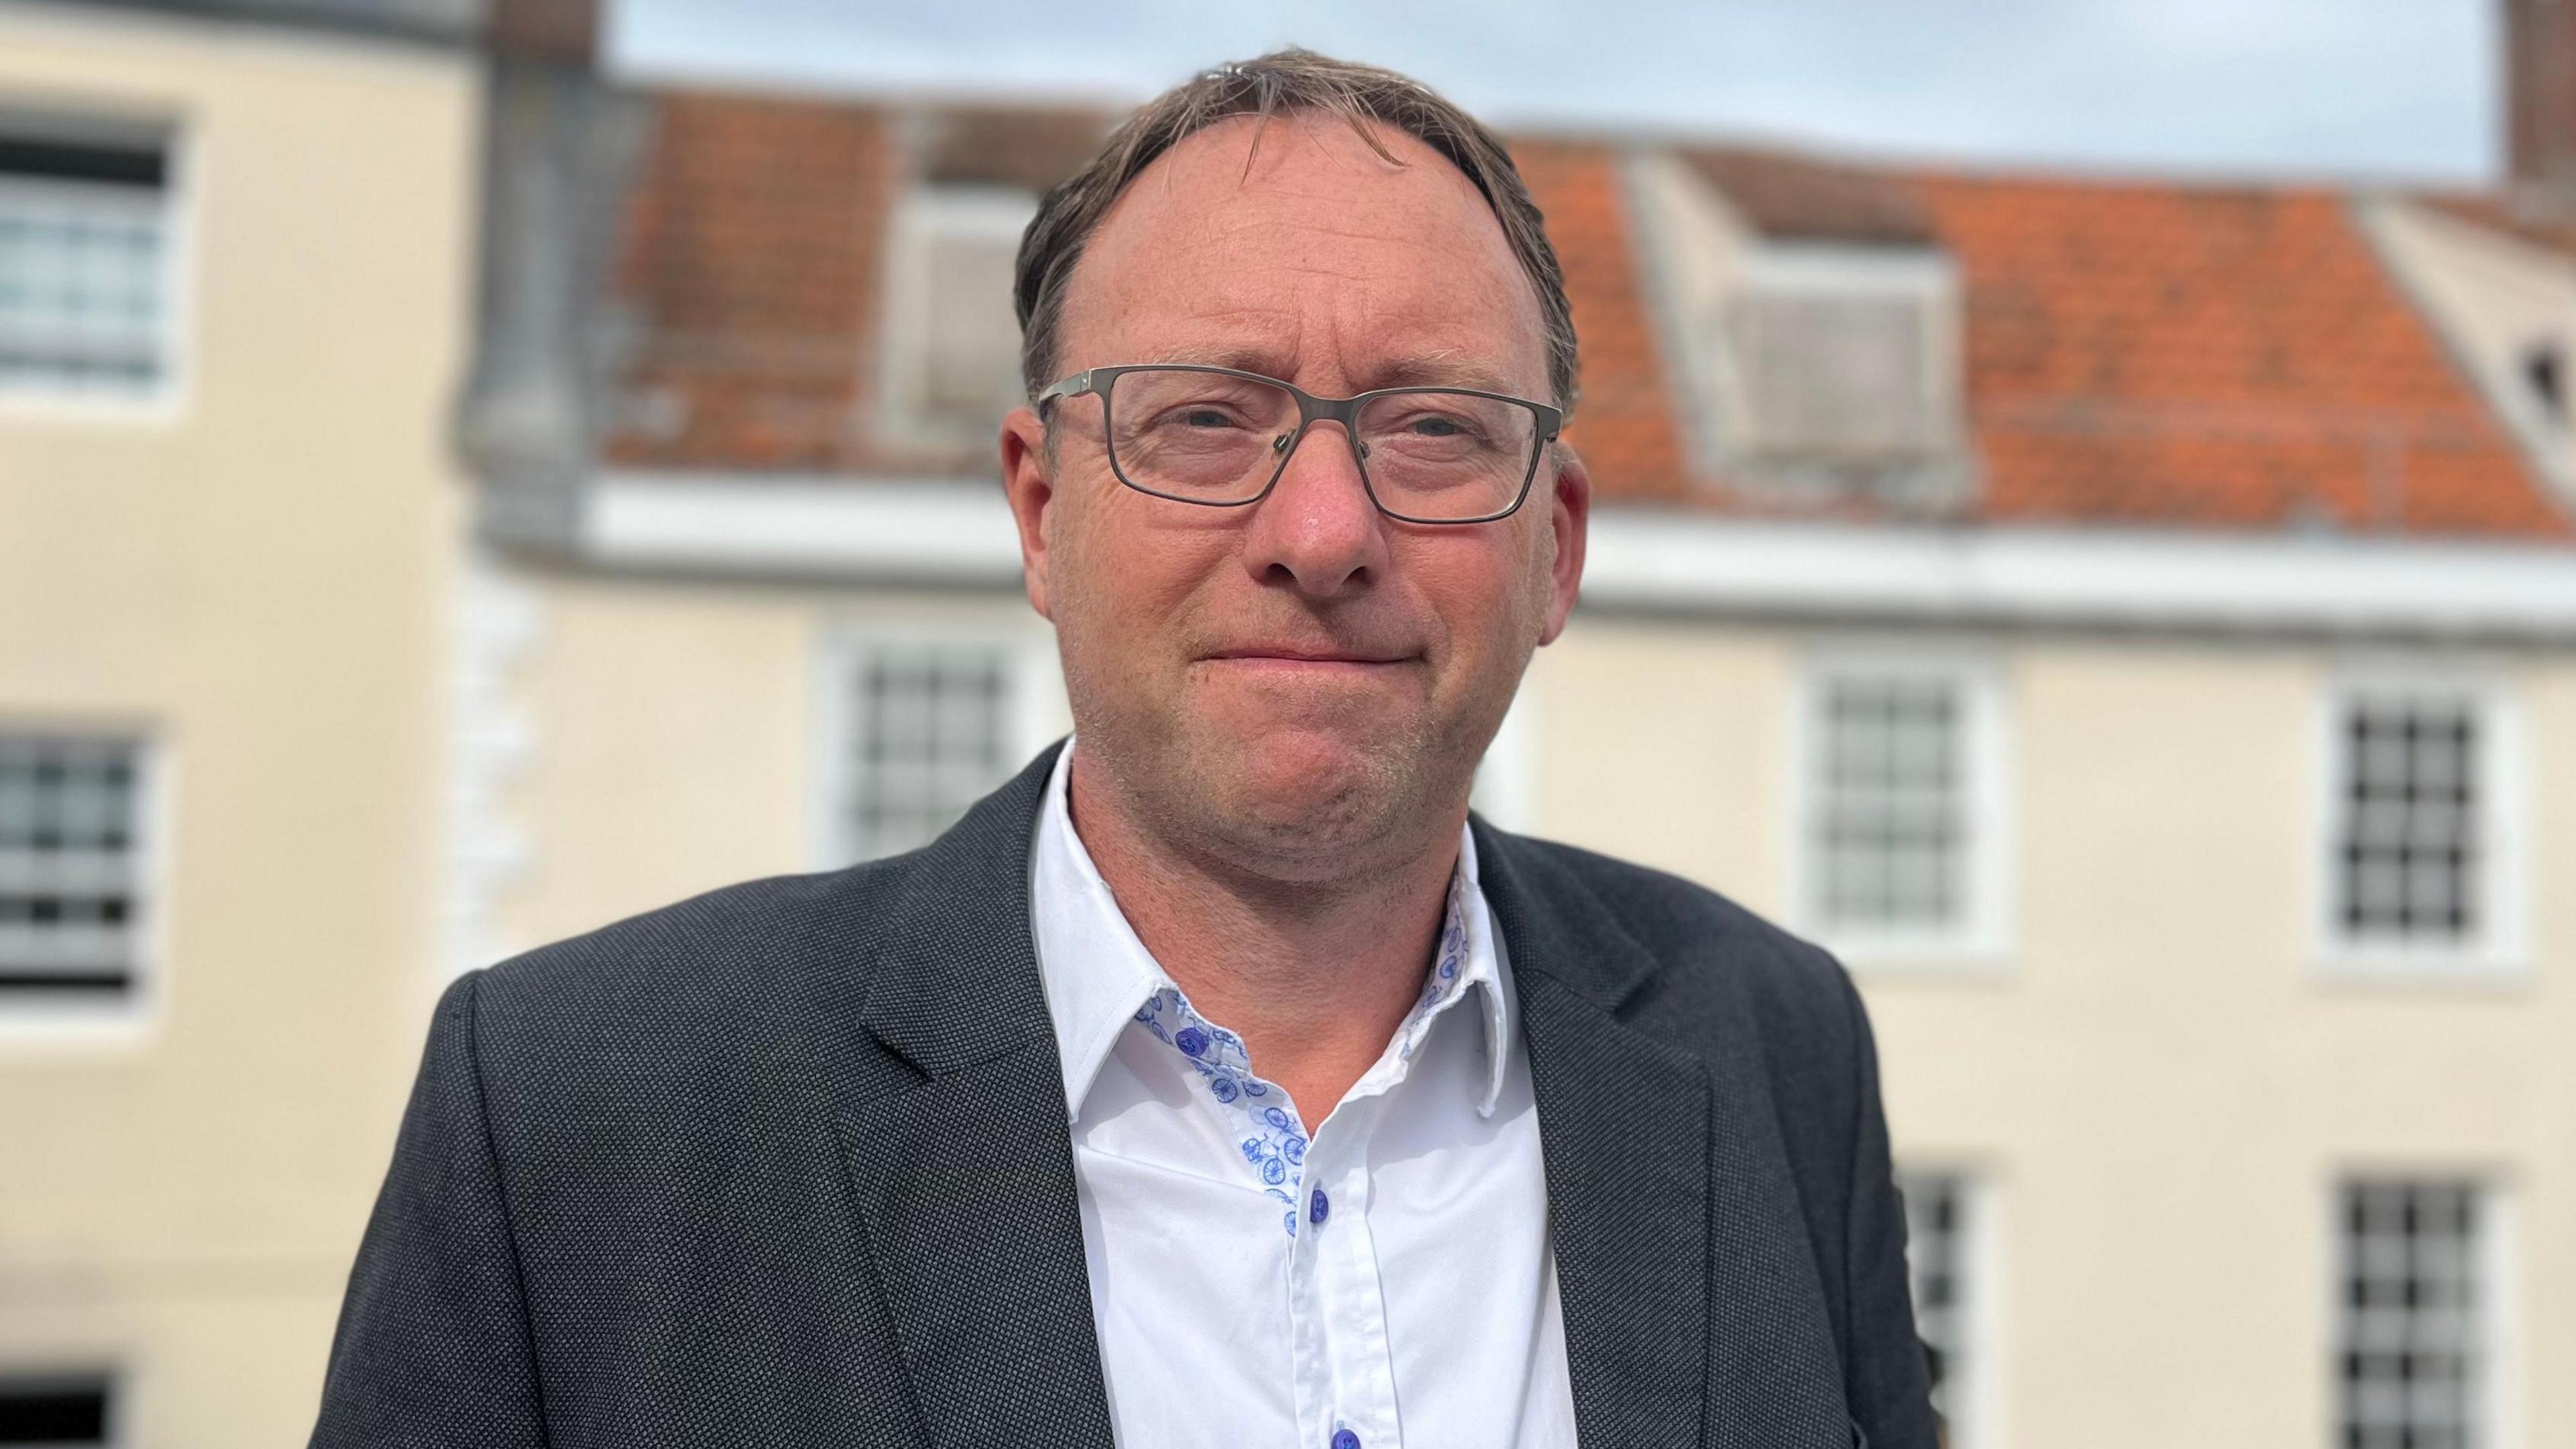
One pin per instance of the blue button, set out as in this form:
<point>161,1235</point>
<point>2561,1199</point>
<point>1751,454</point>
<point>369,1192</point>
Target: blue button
<point>1342,1438</point>
<point>1318,1209</point>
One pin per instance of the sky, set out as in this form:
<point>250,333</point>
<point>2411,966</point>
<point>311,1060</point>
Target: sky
<point>2345,89</point>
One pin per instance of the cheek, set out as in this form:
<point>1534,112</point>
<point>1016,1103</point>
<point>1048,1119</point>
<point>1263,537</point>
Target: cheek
<point>1123,585</point>
<point>1488,592</point>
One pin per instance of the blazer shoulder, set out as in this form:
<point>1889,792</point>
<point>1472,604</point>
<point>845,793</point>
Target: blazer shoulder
<point>720,974</point>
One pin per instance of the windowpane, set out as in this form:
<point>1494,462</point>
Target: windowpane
<point>1937,1207</point>
<point>54,1411</point>
<point>1837,375</point>
<point>70,873</point>
<point>2409,1348</point>
<point>960,340</point>
<point>929,737</point>
<point>83,230</point>
<point>1890,828</point>
<point>2410,851</point>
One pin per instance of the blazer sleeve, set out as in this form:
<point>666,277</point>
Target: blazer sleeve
<point>433,1345</point>
<point>1885,1380</point>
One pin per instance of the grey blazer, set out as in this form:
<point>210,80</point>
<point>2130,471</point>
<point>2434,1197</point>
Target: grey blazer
<point>787,1165</point>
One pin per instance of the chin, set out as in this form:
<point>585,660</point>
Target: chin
<point>1293,787</point>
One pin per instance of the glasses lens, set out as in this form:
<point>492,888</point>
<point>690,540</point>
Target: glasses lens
<point>1202,436</point>
<point>1446,455</point>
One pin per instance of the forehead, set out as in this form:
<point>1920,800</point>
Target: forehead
<point>1311,253</point>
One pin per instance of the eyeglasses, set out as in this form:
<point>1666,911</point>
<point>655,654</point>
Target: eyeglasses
<point>1220,437</point>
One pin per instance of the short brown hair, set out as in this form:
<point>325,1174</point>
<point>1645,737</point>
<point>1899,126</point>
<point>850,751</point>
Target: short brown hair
<point>1282,82</point>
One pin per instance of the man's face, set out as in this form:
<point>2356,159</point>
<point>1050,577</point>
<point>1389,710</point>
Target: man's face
<point>1304,678</point>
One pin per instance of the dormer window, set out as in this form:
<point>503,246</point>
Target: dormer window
<point>2544,372</point>
<point>953,343</point>
<point>1842,355</point>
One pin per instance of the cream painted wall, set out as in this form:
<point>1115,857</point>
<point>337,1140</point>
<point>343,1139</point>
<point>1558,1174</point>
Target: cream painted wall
<point>2160,1084</point>
<point>257,576</point>
<point>674,734</point>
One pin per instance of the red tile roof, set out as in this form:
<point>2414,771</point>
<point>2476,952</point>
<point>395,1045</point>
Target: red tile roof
<point>2136,354</point>
<point>2208,357</point>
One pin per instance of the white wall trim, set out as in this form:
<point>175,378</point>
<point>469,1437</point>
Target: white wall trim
<point>935,531</point>
<point>2502,1371</point>
<point>959,532</point>
<point>2088,577</point>
<point>494,620</point>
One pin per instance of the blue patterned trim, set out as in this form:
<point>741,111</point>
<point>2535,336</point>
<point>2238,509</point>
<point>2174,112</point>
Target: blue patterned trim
<point>1272,1139</point>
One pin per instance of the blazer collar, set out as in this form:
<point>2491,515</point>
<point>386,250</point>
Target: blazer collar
<point>963,1182</point>
<point>958,932</point>
<point>1693,1310</point>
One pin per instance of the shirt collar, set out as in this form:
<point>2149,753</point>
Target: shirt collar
<point>1097,974</point>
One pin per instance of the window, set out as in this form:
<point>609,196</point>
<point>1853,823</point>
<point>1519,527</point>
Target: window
<point>1903,826</point>
<point>954,341</point>
<point>85,241</point>
<point>2544,372</point>
<point>924,730</point>
<point>2420,852</point>
<point>1940,1252</point>
<point>71,869</point>
<point>2411,1350</point>
<point>55,1411</point>
<point>1844,354</point>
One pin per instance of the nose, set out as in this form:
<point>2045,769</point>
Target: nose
<point>1317,531</point>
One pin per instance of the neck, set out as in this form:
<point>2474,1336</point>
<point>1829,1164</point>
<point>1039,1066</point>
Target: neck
<point>1314,975</point>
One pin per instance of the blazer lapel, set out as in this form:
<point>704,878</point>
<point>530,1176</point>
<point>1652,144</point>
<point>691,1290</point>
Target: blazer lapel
<point>964,1181</point>
<point>1693,1312</point>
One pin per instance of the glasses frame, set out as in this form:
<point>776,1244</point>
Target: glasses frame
<point>1100,382</point>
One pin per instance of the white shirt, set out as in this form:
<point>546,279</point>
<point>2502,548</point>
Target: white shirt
<point>1380,1281</point>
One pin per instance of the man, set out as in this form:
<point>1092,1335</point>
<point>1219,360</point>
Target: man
<point>1219,1080</point>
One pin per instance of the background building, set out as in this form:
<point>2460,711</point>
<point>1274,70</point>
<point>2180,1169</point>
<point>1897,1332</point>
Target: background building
<point>2133,622</point>
<point>236,276</point>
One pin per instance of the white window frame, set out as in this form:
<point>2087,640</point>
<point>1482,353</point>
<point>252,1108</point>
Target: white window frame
<point>924,215</point>
<point>130,1017</point>
<point>1922,276</point>
<point>2499,1368</point>
<point>2498,951</point>
<point>1034,710</point>
<point>1974,1387</point>
<point>1982,939</point>
<point>167,398</point>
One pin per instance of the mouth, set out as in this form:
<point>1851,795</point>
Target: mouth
<point>1297,654</point>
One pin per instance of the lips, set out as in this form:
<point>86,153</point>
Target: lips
<point>1308,654</point>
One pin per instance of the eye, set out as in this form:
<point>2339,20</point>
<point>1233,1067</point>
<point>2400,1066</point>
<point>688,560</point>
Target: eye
<point>1204,417</point>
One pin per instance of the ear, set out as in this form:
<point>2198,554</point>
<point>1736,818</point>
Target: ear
<point>1026,484</point>
<point>1569,515</point>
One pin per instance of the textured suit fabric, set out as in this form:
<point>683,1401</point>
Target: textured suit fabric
<point>787,1164</point>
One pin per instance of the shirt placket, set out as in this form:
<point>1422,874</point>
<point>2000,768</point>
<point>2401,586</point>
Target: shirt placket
<point>1342,1367</point>
<point>1345,1370</point>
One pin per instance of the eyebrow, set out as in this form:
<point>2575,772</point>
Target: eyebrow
<point>1430,369</point>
